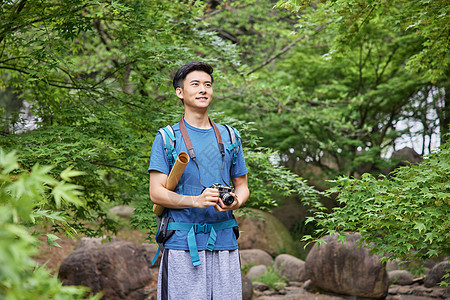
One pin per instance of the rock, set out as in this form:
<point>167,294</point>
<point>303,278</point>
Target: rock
<point>260,286</point>
<point>94,241</point>
<point>309,286</point>
<point>123,211</point>
<point>418,292</point>
<point>431,262</point>
<point>247,288</point>
<point>407,156</point>
<point>264,231</point>
<point>404,157</point>
<point>290,267</point>
<point>436,274</point>
<point>255,257</point>
<point>295,284</point>
<point>392,265</point>
<point>149,252</point>
<point>290,214</point>
<point>256,271</point>
<point>301,296</point>
<point>119,269</point>
<point>279,285</point>
<point>345,268</point>
<point>400,277</point>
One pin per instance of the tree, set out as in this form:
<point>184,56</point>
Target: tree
<point>400,215</point>
<point>335,94</point>
<point>98,79</point>
<point>428,20</point>
<point>425,20</point>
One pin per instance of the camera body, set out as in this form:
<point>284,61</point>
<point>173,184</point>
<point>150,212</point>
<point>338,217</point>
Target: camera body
<point>224,193</point>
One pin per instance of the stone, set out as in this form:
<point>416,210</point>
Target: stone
<point>392,265</point>
<point>119,269</point>
<point>290,267</point>
<point>404,157</point>
<point>309,286</point>
<point>400,277</point>
<point>436,274</point>
<point>345,268</point>
<point>247,288</point>
<point>306,296</point>
<point>407,156</point>
<point>255,257</point>
<point>260,286</point>
<point>149,252</point>
<point>290,214</point>
<point>94,241</point>
<point>279,286</point>
<point>262,230</point>
<point>123,211</point>
<point>257,271</point>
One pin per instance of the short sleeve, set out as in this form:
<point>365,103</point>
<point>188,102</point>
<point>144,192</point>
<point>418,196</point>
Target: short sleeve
<point>240,167</point>
<point>158,156</point>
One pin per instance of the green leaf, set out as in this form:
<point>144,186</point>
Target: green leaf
<point>68,173</point>
<point>8,161</point>
<point>420,226</point>
<point>67,192</point>
<point>51,240</point>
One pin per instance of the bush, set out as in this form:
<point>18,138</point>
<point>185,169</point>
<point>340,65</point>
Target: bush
<point>404,215</point>
<point>23,198</point>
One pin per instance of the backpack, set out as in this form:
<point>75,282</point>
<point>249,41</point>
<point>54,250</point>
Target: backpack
<point>162,221</point>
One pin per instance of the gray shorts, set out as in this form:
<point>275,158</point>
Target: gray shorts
<point>218,276</point>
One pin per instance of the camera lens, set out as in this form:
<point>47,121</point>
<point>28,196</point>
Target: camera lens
<point>227,199</point>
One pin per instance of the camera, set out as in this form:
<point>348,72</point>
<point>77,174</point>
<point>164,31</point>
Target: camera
<point>224,193</point>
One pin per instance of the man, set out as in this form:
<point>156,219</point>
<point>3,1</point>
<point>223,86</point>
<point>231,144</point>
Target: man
<point>200,260</point>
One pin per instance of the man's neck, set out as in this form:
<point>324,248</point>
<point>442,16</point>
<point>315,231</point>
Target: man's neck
<point>198,119</point>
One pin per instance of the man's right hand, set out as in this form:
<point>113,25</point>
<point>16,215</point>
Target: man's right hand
<point>209,197</point>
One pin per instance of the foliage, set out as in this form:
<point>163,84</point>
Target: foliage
<point>428,20</point>
<point>321,92</point>
<point>344,114</point>
<point>96,77</point>
<point>404,215</point>
<point>98,80</point>
<point>269,181</point>
<point>271,278</point>
<point>328,110</point>
<point>24,195</point>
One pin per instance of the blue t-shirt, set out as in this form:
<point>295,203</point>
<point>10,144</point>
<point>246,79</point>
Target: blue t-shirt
<point>209,162</point>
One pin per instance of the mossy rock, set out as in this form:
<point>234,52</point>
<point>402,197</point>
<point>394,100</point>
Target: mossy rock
<point>261,230</point>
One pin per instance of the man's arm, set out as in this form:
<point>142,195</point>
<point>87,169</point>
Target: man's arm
<point>241,194</point>
<point>167,198</point>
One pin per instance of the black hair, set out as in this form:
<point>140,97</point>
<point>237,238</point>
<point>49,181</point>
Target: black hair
<point>182,72</point>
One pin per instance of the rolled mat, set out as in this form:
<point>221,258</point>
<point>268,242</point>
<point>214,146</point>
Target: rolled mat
<point>174,177</point>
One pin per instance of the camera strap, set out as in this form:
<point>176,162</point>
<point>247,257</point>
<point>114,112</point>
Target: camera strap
<point>190,148</point>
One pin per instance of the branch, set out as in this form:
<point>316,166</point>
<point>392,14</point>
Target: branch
<point>275,56</point>
<point>13,58</point>
<point>27,23</point>
<point>15,15</point>
<point>284,50</point>
<point>111,166</point>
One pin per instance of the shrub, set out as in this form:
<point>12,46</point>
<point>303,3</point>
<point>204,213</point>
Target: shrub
<point>23,198</point>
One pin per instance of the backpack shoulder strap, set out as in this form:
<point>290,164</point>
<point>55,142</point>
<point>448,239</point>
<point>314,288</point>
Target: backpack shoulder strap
<point>235,142</point>
<point>168,136</point>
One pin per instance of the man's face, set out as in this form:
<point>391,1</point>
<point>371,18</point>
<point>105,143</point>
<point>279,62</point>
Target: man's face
<point>197,90</point>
